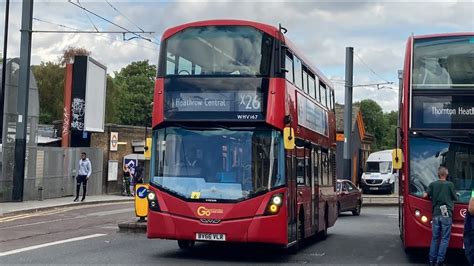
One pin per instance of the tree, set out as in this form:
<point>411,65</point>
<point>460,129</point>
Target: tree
<point>50,80</point>
<point>391,121</point>
<point>135,85</point>
<point>374,121</point>
<point>111,103</point>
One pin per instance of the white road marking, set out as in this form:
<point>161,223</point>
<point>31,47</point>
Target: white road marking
<point>15,251</point>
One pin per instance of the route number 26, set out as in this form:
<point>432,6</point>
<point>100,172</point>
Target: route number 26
<point>250,102</point>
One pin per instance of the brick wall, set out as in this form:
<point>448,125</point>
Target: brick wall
<point>102,140</point>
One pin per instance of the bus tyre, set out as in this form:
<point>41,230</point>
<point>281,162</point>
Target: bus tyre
<point>356,212</point>
<point>185,244</point>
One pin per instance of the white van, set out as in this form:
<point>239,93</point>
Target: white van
<point>379,174</point>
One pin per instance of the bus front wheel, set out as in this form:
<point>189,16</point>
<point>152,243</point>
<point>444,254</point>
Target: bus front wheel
<point>185,244</point>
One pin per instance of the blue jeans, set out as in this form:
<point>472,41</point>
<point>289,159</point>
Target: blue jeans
<point>469,246</point>
<point>441,229</point>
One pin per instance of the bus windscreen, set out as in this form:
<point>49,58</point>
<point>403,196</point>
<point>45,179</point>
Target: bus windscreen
<point>218,164</point>
<point>440,63</point>
<point>218,51</point>
<point>428,154</point>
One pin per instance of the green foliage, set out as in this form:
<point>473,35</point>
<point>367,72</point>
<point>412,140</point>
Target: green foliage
<point>381,125</point>
<point>111,105</point>
<point>50,80</point>
<point>135,91</point>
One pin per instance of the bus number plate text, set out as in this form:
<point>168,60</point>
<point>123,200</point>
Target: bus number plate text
<point>210,237</point>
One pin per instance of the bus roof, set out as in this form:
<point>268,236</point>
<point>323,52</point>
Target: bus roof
<point>272,31</point>
<point>222,22</point>
<point>438,35</point>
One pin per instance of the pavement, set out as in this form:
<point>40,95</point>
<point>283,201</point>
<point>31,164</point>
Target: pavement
<point>379,200</point>
<point>12,208</point>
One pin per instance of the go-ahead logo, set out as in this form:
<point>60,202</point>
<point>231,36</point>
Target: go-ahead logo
<point>203,211</point>
<point>463,213</point>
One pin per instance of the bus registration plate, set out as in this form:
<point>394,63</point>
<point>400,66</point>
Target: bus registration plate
<point>210,237</point>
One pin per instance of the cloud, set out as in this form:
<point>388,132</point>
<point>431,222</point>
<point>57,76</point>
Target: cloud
<point>377,30</point>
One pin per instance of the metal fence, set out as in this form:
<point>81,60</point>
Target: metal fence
<point>50,172</point>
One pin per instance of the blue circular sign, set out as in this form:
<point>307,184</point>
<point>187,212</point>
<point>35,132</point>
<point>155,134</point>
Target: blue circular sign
<point>141,192</point>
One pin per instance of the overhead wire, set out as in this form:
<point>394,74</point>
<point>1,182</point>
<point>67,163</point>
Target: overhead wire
<point>126,17</point>
<point>123,15</point>
<point>371,70</point>
<point>99,34</point>
<point>56,24</point>
<point>90,20</point>
<point>113,23</point>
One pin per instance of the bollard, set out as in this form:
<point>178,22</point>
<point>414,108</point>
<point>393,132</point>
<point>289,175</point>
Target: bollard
<point>40,193</point>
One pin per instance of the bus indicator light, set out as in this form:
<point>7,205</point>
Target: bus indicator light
<point>424,219</point>
<point>273,208</point>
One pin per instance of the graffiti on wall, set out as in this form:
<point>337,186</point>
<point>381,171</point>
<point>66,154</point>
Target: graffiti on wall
<point>77,117</point>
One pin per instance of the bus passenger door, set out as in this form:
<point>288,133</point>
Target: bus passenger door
<point>292,194</point>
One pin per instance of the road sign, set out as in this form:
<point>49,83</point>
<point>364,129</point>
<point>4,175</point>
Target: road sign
<point>141,202</point>
<point>132,164</point>
<point>141,192</point>
<point>113,141</point>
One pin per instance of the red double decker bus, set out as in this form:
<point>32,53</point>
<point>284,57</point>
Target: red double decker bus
<point>437,123</point>
<point>226,165</point>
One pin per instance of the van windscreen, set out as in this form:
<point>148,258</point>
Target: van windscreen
<point>378,167</point>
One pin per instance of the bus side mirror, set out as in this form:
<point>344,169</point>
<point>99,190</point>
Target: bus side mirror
<point>397,159</point>
<point>147,148</point>
<point>288,138</point>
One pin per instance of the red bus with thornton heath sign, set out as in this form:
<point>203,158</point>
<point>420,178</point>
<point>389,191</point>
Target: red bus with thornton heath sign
<point>437,123</point>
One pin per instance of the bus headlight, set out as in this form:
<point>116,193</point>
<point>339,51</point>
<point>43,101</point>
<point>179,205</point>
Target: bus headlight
<point>152,201</point>
<point>417,213</point>
<point>151,196</point>
<point>274,204</point>
<point>277,200</point>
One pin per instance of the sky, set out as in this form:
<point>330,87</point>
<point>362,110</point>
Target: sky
<point>378,31</point>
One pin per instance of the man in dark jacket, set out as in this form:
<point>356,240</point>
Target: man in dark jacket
<point>469,231</point>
